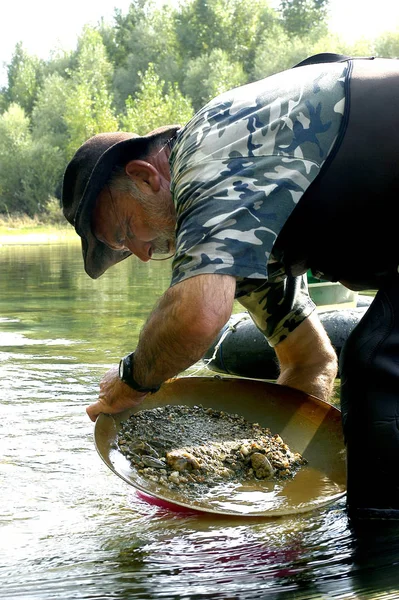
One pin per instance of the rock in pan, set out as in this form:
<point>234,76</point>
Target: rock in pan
<point>186,447</point>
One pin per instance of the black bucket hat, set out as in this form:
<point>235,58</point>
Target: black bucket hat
<point>86,175</point>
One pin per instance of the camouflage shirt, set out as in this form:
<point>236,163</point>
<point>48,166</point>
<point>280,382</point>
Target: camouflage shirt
<point>238,169</point>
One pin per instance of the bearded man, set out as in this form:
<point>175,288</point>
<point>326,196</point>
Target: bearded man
<point>298,171</point>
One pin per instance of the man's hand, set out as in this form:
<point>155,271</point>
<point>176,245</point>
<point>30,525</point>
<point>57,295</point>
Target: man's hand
<point>114,397</point>
<point>307,359</point>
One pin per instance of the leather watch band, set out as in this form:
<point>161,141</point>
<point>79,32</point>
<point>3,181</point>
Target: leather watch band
<point>126,370</point>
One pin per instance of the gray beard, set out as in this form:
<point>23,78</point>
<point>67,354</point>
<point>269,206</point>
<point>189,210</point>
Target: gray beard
<point>164,243</point>
<point>163,220</point>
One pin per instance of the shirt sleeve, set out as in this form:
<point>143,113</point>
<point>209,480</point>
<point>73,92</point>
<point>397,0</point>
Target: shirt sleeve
<point>241,165</point>
<point>276,307</point>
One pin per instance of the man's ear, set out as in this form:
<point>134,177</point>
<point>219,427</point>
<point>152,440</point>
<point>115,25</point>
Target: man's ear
<point>144,175</point>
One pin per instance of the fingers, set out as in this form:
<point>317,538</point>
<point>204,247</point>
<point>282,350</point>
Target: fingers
<point>123,404</point>
<point>101,407</point>
<point>114,397</point>
<point>94,410</point>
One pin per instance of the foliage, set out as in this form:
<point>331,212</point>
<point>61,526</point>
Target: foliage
<point>43,167</point>
<point>53,213</point>
<point>210,75</point>
<point>304,17</point>
<point>49,111</point>
<point>152,107</point>
<point>279,51</point>
<point>388,45</point>
<point>118,38</point>
<point>234,26</point>
<point>3,101</point>
<point>88,106</point>
<point>144,38</point>
<point>24,78</point>
<point>14,137</point>
<point>151,66</point>
<point>29,171</point>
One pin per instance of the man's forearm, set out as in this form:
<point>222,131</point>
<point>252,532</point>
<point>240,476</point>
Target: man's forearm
<point>182,326</point>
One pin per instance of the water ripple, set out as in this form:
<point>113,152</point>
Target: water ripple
<point>69,528</point>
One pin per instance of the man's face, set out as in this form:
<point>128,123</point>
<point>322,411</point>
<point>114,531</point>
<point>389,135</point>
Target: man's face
<point>123,223</point>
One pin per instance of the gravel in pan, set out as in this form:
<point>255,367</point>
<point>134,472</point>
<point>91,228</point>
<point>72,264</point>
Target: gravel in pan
<point>183,446</point>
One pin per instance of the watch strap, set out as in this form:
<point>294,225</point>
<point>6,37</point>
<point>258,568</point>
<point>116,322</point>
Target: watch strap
<point>126,369</point>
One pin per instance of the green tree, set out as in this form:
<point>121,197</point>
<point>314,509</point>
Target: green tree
<point>29,171</point>
<point>305,17</point>
<point>117,39</point>
<point>25,73</point>
<point>148,37</point>
<point>210,75</point>
<point>360,47</point>
<point>43,168</point>
<point>196,27</point>
<point>50,132</point>
<point>14,137</point>
<point>3,100</point>
<point>279,51</point>
<point>387,44</point>
<point>61,62</point>
<point>152,107</point>
<point>48,115</point>
<point>234,26</point>
<point>88,107</point>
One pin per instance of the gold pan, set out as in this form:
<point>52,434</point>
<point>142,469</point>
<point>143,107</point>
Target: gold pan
<point>308,425</point>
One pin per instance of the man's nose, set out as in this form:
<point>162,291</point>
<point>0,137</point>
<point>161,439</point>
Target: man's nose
<point>142,250</point>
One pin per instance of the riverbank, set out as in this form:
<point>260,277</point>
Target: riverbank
<point>24,234</point>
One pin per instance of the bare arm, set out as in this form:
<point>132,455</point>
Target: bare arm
<point>180,329</point>
<point>307,359</point>
<point>182,326</point>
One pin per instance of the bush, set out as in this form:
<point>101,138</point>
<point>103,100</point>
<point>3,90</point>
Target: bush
<point>53,214</point>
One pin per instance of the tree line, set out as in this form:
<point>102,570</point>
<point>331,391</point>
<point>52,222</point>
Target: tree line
<point>152,66</point>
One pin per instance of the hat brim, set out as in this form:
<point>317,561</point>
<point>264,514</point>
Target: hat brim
<point>98,257</point>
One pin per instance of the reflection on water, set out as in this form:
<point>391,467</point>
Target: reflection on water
<point>72,529</point>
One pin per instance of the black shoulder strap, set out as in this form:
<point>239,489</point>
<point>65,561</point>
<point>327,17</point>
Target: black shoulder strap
<point>328,57</point>
<point>323,57</point>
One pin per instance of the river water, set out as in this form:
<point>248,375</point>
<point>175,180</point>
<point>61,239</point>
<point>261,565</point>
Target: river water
<point>70,528</point>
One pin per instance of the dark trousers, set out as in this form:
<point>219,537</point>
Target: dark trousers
<point>369,370</point>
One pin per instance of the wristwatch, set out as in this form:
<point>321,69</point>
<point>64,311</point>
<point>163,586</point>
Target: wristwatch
<point>126,375</point>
